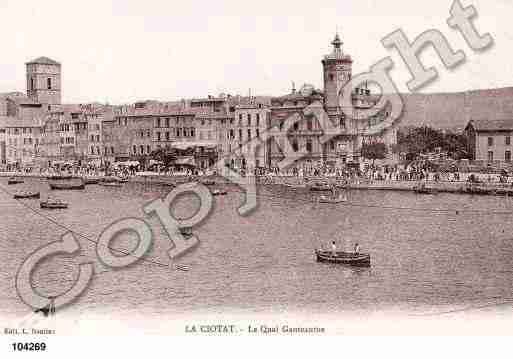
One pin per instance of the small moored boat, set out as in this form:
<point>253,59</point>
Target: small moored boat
<point>423,189</point>
<point>218,192</point>
<point>325,199</point>
<point>186,232</point>
<point>52,203</point>
<point>13,180</point>
<point>90,180</point>
<point>348,258</point>
<point>110,184</point>
<point>294,185</point>
<point>208,182</point>
<point>25,194</point>
<point>59,177</point>
<point>320,187</point>
<point>67,186</point>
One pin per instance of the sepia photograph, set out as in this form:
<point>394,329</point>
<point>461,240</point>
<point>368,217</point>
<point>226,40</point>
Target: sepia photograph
<point>255,169</point>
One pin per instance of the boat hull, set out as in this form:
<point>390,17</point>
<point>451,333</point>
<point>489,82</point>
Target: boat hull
<point>26,195</point>
<point>14,181</point>
<point>111,184</point>
<point>55,186</point>
<point>346,258</point>
<point>59,177</point>
<point>46,205</point>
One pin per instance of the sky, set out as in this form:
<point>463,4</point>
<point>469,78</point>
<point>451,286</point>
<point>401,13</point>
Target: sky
<point>122,51</point>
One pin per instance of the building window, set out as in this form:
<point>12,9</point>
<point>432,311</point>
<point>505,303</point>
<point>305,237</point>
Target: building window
<point>249,134</point>
<point>249,119</point>
<point>142,149</point>
<point>295,146</point>
<point>49,83</point>
<point>296,126</point>
<point>309,145</point>
<point>158,136</point>
<point>240,135</point>
<point>232,134</point>
<point>309,124</point>
<point>240,116</point>
<point>507,156</point>
<point>134,149</point>
<point>148,149</point>
<point>331,77</point>
<point>490,141</point>
<point>167,136</point>
<point>112,150</point>
<point>332,145</point>
<point>32,83</point>
<point>258,119</point>
<point>490,156</point>
<point>342,123</point>
<point>258,133</point>
<point>158,122</point>
<point>167,122</point>
<point>192,131</point>
<point>508,140</point>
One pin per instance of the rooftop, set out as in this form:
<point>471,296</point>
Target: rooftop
<point>44,61</point>
<point>486,125</point>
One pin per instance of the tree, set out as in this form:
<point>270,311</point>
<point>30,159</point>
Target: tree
<point>418,140</point>
<point>374,151</point>
<point>164,155</point>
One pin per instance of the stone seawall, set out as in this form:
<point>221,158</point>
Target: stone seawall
<point>461,187</point>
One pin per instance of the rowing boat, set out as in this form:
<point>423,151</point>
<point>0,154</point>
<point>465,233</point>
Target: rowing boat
<point>53,204</point>
<point>326,199</point>
<point>21,195</point>
<point>110,184</point>
<point>67,186</point>
<point>13,180</point>
<point>320,187</point>
<point>347,258</point>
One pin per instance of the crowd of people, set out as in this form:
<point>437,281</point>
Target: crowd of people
<point>351,173</point>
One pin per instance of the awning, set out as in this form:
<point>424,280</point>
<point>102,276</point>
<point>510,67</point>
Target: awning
<point>185,161</point>
<point>126,163</point>
<point>186,145</point>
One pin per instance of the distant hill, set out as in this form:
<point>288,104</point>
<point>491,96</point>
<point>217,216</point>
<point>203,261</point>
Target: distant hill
<point>452,111</point>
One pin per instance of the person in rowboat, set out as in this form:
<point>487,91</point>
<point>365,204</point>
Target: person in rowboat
<point>334,248</point>
<point>356,249</point>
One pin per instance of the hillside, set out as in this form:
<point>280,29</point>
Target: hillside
<point>452,111</point>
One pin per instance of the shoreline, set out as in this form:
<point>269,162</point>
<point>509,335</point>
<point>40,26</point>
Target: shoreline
<point>456,187</point>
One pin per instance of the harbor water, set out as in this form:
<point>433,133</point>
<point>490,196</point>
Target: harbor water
<point>429,253</point>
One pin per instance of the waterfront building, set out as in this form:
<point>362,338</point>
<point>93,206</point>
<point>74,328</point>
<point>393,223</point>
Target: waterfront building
<point>350,131</point>
<point>238,132</point>
<point>489,140</point>
<point>21,142</point>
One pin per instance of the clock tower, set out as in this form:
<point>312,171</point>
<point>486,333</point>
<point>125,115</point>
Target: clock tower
<point>337,72</point>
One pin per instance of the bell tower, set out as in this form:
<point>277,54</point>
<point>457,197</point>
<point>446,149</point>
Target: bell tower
<point>337,70</point>
<point>44,81</point>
